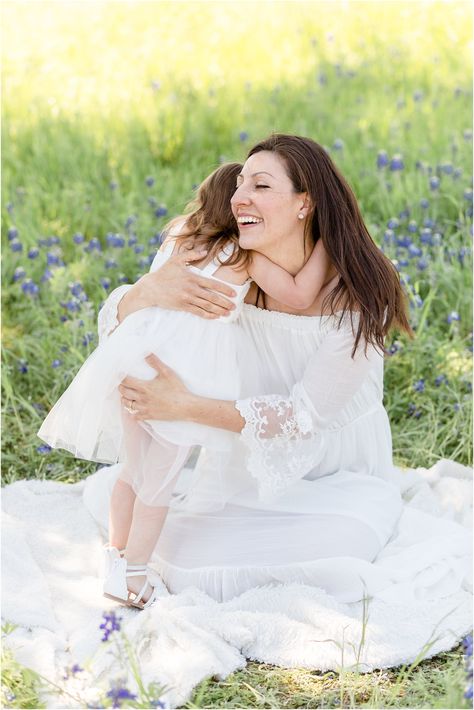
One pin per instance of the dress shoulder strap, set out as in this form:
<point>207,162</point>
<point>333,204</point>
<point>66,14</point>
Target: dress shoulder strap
<point>215,264</point>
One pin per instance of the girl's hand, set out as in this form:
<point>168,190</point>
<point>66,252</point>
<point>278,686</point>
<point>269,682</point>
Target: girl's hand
<point>165,397</point>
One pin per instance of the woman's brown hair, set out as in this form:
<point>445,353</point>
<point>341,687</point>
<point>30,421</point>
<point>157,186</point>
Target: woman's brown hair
<point>368,281</point>
<point>211,224</point>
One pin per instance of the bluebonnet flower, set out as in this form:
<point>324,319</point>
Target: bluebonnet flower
<point>113,185</point>
<point>122,279</point>
<point>115,240</point>
<point>446,168</point>
<point>456,406</point>
<point>153,202</point>
<point>72,671</point>
<point>133,239</point>
<point>139,248</point>
<point>404,241</point>
<point>424,203</point>
<point>52,258</point>
<point>457,173</point>
<point>29,287</point>
<point>453,316</point>
<point>463,252</point>
<point>434,182</point>
<point>437,239</point>
<point>422,264</point>
<point>93,244</point>
<point>150,181</point>
<point>417,301</point>
<point>73,306</point>
<point>440,379</point>
<point>88,338</point>
<point>76,288</point>
<point>396,162</point>
<point>394,348</point>
<point>467,135</point>
<point>16,245</point>
<point>389,236</point>
<point>56,363</point>
<point>426,236</point>
<point>43,449</point>
<point>413,411</point>
<point>468,195</point>
<point>243,135</point>
<point>467,646</point>
<point>419,386</point>
<point>417,95</point>
<point>162,211</point>
<point>144,262</point>
<point>412,226</point>
<point>64,348</point>
<point>12,233</point>
<point>130,221</point>
<point>19,273</point>
<point>33,253</point>
<point>393,223</point>
<point>155,239</point>
<point>22,366</point>
<point>414,250</point>
<point>118,694</point>
<point>428,223</point>
<point>110,264</point>
<point>157,703</point>
<point>105,282</point>
<point>78,238</point>
<point>338,144</point>
<point>110,624</point>
<point>10,207</point>
<point>382,158</point>
<point>404,213</point>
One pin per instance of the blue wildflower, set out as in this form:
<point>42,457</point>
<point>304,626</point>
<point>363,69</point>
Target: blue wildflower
<point>419,386</point>
<point>152,201</point>
<point>422,264</point>
<point>453,316</point>
<point>434,182</point>
<point>424,203</point>
<point>446,168</point>
<point>157,703</point>
<point>76,288</point>
<point>243,135</point>
<point>404,213</point>
<point>382,159</point>
<point>426,236</point>
<point>110,264</point>
<point>115,240</point>
<point>16,245</point>
<point>72,671</point>
<point>440,379</point>
<point>162,211</point>
<point>412,226</point>
<point>105,282</point>
<point>52,258</point>
<point>88,338</point>
<point>393,223</point>
<point>150,181</point>
<point>414,250</point>
<point>403,241</point>
<point>144,262</point>
<point>417,301</point>
<point>110,624</point>
<point>389,236</point>
<point>19,273</point>
<point>113,185</point>
<point>22,366</point>
<point>155,239</point>
<point>93,244</point>
<point>457,173</point>
<point>12,233</point>
<point>29,287</point>
<point>467,135</point>
<point>139,248</point>
<point>417,95</point>
<point>43,449</point>
<point>56,363</point>
<point>396,162</point>
<point>78,238</point>
<point>118,694</point>
<point>132,240</point>
<point>122,279</point>
<point>413,411</point>
<point>338,144</point>
<point>33,253</point>
<point>468,195</point>
<point>130,221</point>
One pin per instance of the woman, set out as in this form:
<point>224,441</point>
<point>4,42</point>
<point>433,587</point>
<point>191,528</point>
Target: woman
<point>310,493</point>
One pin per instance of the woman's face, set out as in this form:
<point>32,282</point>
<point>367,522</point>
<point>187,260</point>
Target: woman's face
<point>265,205</point>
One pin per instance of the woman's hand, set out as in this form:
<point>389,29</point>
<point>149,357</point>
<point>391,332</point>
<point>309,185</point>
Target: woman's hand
<point>174,287</point>
<point>165,397</point>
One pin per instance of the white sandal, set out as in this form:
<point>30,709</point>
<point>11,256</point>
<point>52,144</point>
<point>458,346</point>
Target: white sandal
<point>115,585</point>
<point>109,554</point>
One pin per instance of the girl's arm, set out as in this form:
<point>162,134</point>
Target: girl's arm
<point>298,291</point>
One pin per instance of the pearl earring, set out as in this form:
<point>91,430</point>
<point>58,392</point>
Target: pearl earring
<point>300,215</point>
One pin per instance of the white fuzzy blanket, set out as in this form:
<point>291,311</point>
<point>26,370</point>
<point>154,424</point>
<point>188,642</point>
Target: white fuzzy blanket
<point>52,591</point>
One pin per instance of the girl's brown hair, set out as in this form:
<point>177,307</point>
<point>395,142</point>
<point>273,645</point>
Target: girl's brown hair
<point>368,281</point>
<point>211,224</point>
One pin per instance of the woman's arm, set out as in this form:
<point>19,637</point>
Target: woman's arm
<point>173,287</point>
<point>298,291</point>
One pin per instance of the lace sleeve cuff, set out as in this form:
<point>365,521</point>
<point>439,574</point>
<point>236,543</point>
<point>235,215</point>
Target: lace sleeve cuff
<point>107,318</point>
<point>281,441</point>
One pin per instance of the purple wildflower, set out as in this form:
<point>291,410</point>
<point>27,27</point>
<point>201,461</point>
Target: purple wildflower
<point>434,182</point>
<point>78,238</point>
<point>419,386</point>
<point>453,316</point>
<point>162,211</point>
<point>110,624</point>
<point>56,363</point>
<point>22,366</point>
<point>440,379</point>
<point>105,282</point>
<point>16,245</point>
<point>29,287</point>
<point>424,203</point>
<point>382,159</point>
<point>118,694</point>
<point>12,233</point>
<point>243,135</point>
<point>338,144</point>
<point>43,449</point>
<point>150,181</point>
<point>413,411</point>
<point>19,273</point>
<point>113,185</point>
<point>396,162</point>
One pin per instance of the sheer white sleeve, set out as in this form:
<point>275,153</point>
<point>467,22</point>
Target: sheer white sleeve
<point>107,318</point>
<point>285,436</point>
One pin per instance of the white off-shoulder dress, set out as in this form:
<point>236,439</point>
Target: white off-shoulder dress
<point>309,493</point>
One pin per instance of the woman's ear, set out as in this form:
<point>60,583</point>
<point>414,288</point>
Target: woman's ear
<point>305,205</point>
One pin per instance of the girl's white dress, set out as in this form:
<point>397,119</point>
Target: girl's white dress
<point>88,419</point>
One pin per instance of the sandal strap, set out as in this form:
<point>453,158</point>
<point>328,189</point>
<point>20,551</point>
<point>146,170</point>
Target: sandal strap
<point>140,594</point>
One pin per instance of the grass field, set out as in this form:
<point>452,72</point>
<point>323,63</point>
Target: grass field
<point>113,112</point>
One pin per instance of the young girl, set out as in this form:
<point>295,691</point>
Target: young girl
<point>89,421</point>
